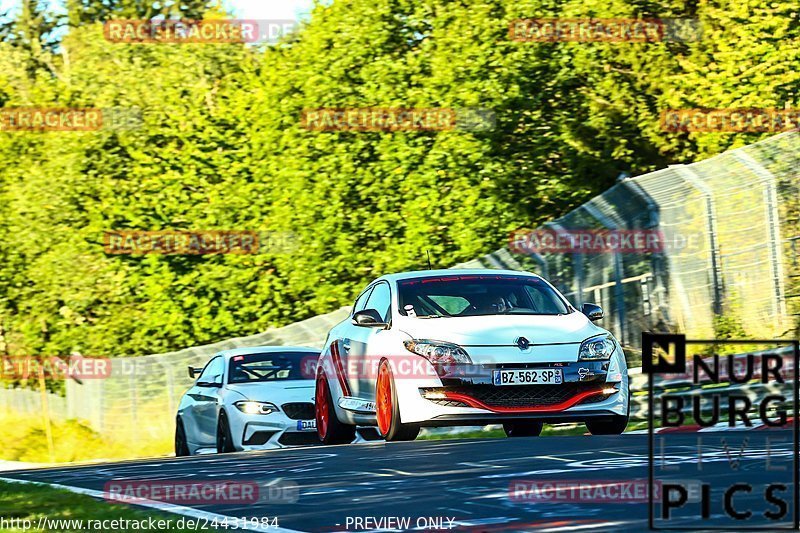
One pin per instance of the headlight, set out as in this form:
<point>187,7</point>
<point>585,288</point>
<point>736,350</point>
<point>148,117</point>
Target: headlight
<point>438,351</point>
<point>256,408</point>
<point>600,347</point>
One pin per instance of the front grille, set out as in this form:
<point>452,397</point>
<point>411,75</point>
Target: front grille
<point>519,396</point>
<point>447,403</point>
<point>299,439</point>
<point>299,410</point>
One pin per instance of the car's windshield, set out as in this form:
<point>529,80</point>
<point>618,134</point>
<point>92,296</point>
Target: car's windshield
<point>273,366</point>
<point>478,295</point>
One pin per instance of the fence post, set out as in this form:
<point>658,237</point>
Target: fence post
<point>48,428</point>
<point>711,225</point>
<point>619,292</point>
<point>773,234</point>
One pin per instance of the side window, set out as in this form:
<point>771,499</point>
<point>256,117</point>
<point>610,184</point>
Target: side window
<point>380,300</point>
<point>212,373</point>
<point>361,301</point>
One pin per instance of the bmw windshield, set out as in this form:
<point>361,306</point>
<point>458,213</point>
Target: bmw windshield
<point>478,295</point>
<point>273,366</point>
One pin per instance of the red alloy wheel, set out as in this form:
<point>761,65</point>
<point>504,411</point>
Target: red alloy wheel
<point>384,399</point>
<point>322,409</point>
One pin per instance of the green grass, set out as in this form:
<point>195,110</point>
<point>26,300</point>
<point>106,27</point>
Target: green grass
<point>33,502</point>
<point>476,434</point>
<point>23,439</point>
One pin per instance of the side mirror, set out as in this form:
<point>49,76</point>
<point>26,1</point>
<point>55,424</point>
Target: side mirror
<point>193,371</point>
<point>592,311</point>
<point>209,384</point>
<point>368,318</point>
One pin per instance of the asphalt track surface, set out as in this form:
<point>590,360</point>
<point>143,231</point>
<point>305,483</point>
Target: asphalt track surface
<point>470,481</point>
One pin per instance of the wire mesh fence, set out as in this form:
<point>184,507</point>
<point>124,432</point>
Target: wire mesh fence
<point>139,399</point>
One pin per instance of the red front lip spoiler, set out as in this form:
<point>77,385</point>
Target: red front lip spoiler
<point>472,402</point>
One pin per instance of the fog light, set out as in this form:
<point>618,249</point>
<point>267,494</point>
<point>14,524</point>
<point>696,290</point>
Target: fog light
<point>610,390</point>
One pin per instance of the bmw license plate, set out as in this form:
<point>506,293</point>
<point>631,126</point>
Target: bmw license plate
<point>304,425</point>
<point>528,376</point>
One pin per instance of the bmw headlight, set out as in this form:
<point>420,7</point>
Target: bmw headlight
<point>438,351</point>
<point>597,348</point>
<point>256,408</point>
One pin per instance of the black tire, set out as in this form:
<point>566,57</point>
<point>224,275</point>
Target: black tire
<point>224,438</point>
<point>612,426</point>
<point>397,431</point>
<point>523,428</point>
<point>181,446</point>
<point>332,430</point>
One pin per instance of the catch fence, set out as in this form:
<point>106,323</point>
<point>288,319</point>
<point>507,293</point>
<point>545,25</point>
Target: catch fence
<point>728,262</point>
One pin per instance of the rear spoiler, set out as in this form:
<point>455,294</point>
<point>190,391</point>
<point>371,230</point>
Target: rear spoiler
<point>194,371</point>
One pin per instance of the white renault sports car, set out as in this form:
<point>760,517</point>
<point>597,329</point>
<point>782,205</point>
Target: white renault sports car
<point>468,347</point>
<point>249,398</point>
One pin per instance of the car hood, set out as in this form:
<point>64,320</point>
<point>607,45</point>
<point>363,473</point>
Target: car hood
<point>503,330</point>
<point>276,392</point>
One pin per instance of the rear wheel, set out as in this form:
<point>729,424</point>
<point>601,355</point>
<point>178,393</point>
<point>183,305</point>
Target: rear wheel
<point>388,410</point>
<point>329,428</point>
<point>181,446</point>
<point>523,428</point>
<point>613,426</point>
<point>224,438</point>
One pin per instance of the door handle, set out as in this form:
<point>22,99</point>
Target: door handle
<point>346,345</point>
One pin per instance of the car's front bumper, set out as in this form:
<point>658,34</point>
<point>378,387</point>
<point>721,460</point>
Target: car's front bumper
<point>589,389</point>
<point>275,430</point>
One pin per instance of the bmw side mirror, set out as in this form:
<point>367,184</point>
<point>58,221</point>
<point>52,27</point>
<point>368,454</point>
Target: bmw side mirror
<point>592,311</point>
<point>369,318</point>
<point>209,384</point>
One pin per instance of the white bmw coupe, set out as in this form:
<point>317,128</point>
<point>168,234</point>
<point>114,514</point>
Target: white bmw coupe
<point>249,398</point>
<point>468,347</point>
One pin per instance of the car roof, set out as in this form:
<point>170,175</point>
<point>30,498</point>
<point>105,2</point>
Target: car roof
<point>454,272</point>
<point>227,354</point>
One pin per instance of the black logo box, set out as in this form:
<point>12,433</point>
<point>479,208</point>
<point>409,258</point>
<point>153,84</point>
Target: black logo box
<point>676,344</point>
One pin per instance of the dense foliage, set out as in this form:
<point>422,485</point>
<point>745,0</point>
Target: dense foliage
<point>222,147</point>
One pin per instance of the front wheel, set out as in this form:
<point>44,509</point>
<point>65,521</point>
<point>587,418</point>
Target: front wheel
<point>224,438</point>
<point>523,428</point>
<point>388,410</point>
<point>614,426</point>
<point>181,447</point>
<point>330,429</point>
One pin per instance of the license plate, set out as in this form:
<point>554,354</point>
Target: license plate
<point>528,376</point>
<point>303,425</point>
